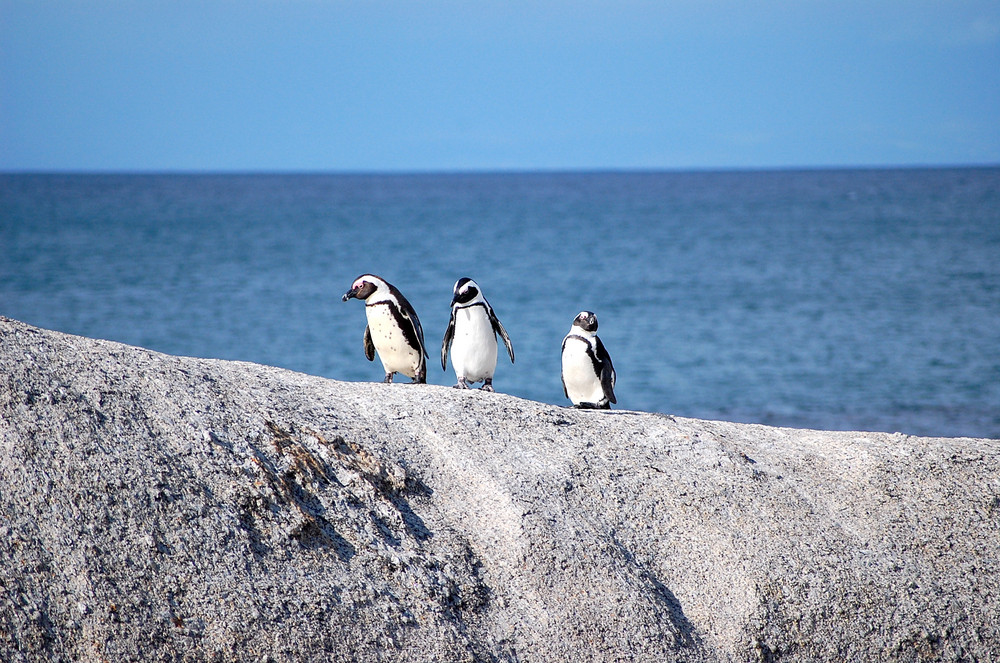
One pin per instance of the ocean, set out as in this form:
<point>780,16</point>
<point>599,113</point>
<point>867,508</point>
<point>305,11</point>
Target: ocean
<point>832,299</point>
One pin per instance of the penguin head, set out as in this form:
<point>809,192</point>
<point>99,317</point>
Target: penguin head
<point>465,291</point>
<point>365,286</point>
<point>586,321</point>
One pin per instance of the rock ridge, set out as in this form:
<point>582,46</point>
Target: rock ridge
<point>155,507</point>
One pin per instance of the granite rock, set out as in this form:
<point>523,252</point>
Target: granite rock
<point>168,508</point>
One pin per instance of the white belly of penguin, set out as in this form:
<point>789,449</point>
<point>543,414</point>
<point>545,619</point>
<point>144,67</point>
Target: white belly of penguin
<point>582,385</point>
<point>394,352</point>
<point>474,348</point>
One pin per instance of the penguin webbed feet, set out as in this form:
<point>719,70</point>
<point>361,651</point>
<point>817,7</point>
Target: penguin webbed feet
<point>605,405</point>
<point>463,383</point>
<point>417,379</point>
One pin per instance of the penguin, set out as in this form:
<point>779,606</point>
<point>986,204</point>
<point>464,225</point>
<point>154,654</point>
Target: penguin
<point>588,376</point>
<point>473,328</point>
<point>393,328</point>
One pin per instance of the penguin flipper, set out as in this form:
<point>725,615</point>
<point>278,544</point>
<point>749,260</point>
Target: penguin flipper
<point>416,330</point>
<point>409,323</point>
<point>369,346</point>
<point>608,384</point>
<point>498,328</point>
<point>449,335</point>
<point>607,371</point>
<point>562,375</point>
<point>420,335</point>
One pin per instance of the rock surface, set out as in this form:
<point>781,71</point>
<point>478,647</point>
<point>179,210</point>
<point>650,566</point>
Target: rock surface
<point>167,508</point>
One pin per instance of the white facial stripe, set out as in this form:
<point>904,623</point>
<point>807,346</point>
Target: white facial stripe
<point>381,287</point>
<point>371,278</point>
<point>478,299</point>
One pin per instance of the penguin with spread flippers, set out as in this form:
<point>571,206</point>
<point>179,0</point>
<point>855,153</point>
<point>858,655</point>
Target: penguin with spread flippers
<point>472,337</point>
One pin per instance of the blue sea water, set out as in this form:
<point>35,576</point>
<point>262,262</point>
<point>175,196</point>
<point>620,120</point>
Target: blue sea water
<point>837,299</point>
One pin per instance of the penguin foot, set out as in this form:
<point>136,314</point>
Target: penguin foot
<point>388,378</point>
<point>419,378</point>
<point>487,385</point>
<point>592,406</point>
<point>462,384</point>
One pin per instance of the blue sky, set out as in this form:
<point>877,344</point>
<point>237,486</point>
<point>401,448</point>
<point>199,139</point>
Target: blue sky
<point>323,85</point>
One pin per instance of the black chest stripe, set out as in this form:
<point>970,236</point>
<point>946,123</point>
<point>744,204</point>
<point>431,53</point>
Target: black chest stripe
<point>480,304</point>
<point>406,326</point>
<point>598,364</point>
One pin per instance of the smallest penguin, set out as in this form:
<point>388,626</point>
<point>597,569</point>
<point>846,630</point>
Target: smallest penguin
<point>588,376</point>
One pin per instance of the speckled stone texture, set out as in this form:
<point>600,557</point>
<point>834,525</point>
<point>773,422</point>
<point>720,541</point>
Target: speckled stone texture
<point>175,509</point>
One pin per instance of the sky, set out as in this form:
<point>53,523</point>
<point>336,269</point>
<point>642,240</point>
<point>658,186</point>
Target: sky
<point>402,85</point>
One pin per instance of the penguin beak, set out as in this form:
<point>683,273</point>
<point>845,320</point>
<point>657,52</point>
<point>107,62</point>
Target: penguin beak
<point>353,292</point>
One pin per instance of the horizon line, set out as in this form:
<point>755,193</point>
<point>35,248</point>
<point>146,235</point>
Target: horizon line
<point>491,171</point>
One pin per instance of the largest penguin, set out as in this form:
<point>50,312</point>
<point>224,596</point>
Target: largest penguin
<point>393,329</point>
<point>473,328</point>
